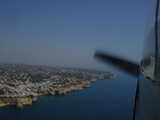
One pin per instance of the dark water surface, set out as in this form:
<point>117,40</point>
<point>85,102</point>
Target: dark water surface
<point>110,99</point>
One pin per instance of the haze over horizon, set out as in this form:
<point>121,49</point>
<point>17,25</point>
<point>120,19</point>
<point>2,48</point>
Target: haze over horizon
<point>67,33</point>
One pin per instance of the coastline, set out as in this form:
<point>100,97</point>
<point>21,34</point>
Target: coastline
<point>20,102</point>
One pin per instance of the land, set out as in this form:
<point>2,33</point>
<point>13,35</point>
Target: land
<point>21,84</point>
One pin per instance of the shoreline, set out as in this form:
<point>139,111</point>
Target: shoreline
<point>20,102</point>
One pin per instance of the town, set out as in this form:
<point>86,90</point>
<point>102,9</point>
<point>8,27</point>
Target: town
<point>28,81</point>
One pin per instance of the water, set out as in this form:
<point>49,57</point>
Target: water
<point>110,99</point>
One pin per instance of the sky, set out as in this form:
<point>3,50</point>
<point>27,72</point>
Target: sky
<point>68,32</point>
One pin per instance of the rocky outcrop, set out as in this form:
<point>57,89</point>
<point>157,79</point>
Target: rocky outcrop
<point>19,102</point>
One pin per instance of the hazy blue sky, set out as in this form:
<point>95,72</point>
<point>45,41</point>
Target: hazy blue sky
<point>68,32</point>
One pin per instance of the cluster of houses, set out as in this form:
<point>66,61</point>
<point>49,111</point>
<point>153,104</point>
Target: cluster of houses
<point>27,80</point>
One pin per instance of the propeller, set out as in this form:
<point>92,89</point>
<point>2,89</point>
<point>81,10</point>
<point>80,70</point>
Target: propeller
<point>131,67</point>
<point>119,62</point>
